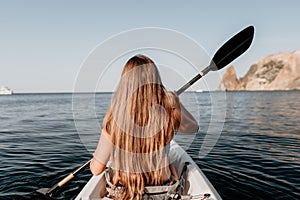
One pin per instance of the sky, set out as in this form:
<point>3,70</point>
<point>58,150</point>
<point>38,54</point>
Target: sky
<point>44,44</point>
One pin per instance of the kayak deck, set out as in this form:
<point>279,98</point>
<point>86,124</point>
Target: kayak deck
<point>196,182</point>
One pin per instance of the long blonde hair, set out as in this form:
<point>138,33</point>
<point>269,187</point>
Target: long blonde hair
<point>140,122</point>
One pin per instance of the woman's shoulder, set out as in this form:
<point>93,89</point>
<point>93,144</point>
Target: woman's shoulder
<point>173,99</point>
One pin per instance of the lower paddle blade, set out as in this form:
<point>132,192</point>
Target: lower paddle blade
<point>34,196</point>
<point>232,49</point>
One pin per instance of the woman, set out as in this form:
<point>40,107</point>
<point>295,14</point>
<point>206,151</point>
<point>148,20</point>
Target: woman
<point>138,128</point>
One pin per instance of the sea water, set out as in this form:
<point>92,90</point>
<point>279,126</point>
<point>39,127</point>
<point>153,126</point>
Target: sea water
<point>254,152</point>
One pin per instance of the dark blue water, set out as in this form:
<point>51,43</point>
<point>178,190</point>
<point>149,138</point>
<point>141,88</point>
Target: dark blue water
<point>257,155</point>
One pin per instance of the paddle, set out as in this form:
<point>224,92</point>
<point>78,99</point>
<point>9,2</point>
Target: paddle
<point>229,51</point>
<point>49,191</point>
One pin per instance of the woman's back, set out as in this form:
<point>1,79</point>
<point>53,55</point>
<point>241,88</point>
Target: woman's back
<point>140,123</point>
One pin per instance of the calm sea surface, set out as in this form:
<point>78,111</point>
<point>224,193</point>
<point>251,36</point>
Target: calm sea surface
<point>44,137</point>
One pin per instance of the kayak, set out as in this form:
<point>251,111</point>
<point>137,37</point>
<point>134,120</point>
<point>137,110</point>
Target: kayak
<point>196,185</point>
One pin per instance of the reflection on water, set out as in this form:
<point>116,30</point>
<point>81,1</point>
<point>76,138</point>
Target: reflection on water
<point>257,155</point>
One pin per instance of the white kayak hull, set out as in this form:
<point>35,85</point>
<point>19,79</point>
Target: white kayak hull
<point>198,184</point>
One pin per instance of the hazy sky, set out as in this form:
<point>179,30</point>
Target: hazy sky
<point>44,43</point>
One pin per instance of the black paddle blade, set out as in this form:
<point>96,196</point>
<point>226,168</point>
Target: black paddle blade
<point>232,49</point>
<point>34,196</point>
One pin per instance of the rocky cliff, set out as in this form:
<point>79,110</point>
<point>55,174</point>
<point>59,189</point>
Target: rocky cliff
<point>275,72</point>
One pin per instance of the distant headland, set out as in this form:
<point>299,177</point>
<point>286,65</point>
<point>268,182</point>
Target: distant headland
<point>274,72</point>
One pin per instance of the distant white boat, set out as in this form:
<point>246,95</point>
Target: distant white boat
<point>5,91</point>
<point>199,90</point>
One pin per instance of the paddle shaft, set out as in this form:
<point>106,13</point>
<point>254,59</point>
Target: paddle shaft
<point>193,80</point>
<point>68,178</point>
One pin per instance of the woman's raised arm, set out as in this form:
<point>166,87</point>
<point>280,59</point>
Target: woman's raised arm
<point>188,123</point>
